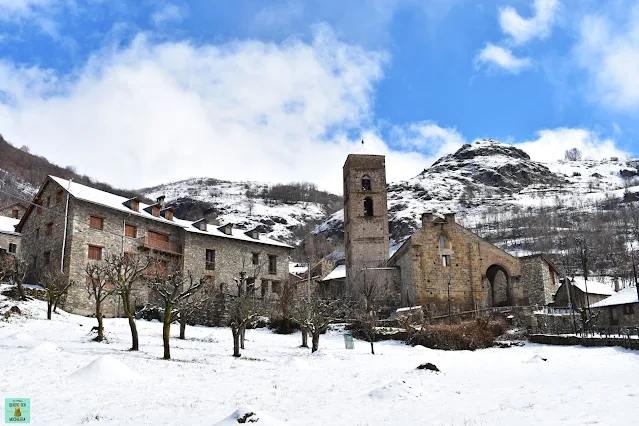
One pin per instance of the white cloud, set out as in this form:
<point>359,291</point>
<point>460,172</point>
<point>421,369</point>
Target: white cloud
<point>551,145</point>
<point>251,110</point>
<point>168,13</point>
<point>521,30</point>
<point>609,52</point>
<point>427,136</point>
<point>501,57</point>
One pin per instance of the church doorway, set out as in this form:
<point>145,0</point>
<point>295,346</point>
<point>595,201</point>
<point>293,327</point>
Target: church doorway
<point>500,285</point>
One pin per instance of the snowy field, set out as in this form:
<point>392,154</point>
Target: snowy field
<point>73,381</point>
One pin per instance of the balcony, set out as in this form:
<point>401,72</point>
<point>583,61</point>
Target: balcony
<point>160,245</point>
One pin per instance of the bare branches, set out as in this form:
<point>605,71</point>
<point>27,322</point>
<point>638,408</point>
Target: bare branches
<point>56,284</point>
<point>13,270</point>
<point>98,288</point>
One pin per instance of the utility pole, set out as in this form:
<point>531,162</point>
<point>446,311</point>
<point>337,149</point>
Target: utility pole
<point>583,254</point>
<point>450,319</point>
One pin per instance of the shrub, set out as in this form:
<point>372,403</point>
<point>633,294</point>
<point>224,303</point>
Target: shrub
<point>467,335</point>
<point>283,325</point>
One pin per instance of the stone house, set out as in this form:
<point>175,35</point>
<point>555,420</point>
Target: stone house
<point>15,210</point>
<point>442,266</point>
<point>9,237</point>
<point>621,309</point>
<point>582,292</point>
<point>69,225</point>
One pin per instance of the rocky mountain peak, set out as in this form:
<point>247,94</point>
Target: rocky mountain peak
<point>484,148</point>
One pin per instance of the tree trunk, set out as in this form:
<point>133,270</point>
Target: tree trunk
<point>98,315</point>
<point>304,337</point>
<point>21,291</point>
<point>55,305</point>
<point>372,346</point>
<point>134,330</point>
<point>49,306</point>
<point>182,326</point>
<point>236,341</point>
<point>315,339</point>
<point>242,334</point>
<point>166,330</point>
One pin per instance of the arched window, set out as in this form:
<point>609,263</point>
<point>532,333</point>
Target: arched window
<point>442,242</point>
<point>368,206</point>
<point>366,183</point>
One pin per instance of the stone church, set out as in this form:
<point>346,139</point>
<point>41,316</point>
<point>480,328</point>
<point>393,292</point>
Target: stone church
<point>443,265</point>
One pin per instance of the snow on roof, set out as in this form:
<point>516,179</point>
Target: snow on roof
<point>623,297</point>
<point>116,202</point>
<point>337,273</point>
<point>595,287</point>
<point>297,268</point>
<point>8,225</point>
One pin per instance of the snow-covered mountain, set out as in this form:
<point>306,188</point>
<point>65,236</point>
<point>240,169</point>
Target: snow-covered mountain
<point>492,179</point>
<point>285,215</point>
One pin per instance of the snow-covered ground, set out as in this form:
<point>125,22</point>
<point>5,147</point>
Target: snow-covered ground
<point>73,381</point>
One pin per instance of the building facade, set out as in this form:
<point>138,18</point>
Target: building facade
<point>70,225</point>
<point>443,266</point>
<point>9,238</point>
<point>15,210</point>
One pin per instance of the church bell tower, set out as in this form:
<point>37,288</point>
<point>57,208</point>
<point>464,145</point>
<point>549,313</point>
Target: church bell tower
<point>365,215</point>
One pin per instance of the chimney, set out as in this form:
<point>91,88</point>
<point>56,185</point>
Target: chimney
<point>160,201</point>
<point>617,284</point>
<point>201,224</point>
<point>427,219</point>
<point>450,217</point>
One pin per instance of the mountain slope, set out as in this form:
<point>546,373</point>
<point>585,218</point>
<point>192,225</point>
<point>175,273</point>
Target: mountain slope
<point>284,212</point>
<point>491,180</point>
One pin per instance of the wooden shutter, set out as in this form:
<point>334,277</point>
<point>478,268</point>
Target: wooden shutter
<point>95,252</point>
<point>130,231</point>
<point>96,222</point>
<point>156,236</point>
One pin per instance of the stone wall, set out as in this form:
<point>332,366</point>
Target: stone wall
<point>9,238</point>
<point>470,258</point>
<point>539,280</point>
<point>630,319</point>
<point>8,210</point>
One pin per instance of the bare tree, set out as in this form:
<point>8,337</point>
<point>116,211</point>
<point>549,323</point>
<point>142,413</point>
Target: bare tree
<point>56,284</point>
<point>124,271</point>
<point>372,295</point>
<point>316,314</point>
<point>14,270</point>
<point>200,301</point>
<point>573,154</point>
<point>99,288</point>
<point>172,287</point>
<point>246,306</point>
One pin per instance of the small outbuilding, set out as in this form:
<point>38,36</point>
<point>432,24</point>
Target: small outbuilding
<point>582,292</point>
<point>621,309</point>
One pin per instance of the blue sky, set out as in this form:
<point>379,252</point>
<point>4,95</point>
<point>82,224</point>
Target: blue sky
<point>283,90</point>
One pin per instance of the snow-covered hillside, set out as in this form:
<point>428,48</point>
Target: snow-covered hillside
<point>489,178</point>
<point>241,204</point>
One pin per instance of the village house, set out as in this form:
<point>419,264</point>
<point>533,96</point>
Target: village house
<point>69,225</point>
<point>621,309</point>
<point>15,210</point>
<point>442,266</point>
<point>583,292</point>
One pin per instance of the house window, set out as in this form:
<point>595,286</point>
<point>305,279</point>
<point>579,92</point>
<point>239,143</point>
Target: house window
<point>39,210</point>
<point>366,183</point>
<point>256,258</point>
<point>47,258</point>
<point>446,260</point>
<point>50,228</point>
<point>272,264</point>
<point>130,231</point>
<point>628,310</point>
<point>58,196</point>
<point>264,288</point>
<point>95,252</point>
<point>37,233</point>
<point>135,206</point>
<point>96,222</point>
<point>276,287</point>
<point>168,215</point>
<point>15,213</point>
<point>368,206</point>
<point>155,211</point>
<point>210,260</point>
<point>442,242</point>
<point>13,248</point>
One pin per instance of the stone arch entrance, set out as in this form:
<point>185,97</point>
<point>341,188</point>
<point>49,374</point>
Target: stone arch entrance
<point>500,285</point>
